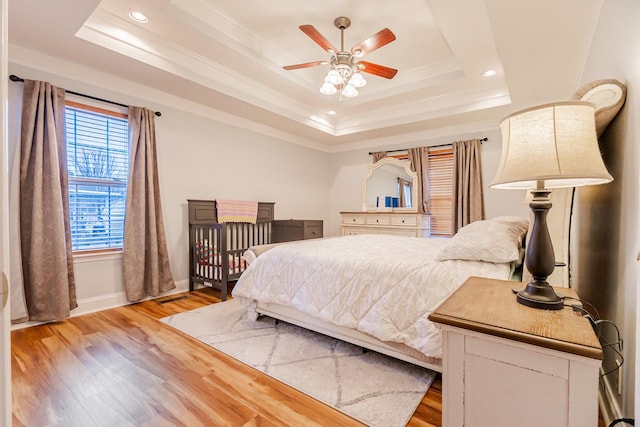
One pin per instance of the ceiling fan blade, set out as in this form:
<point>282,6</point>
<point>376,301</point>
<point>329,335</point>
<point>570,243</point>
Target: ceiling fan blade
<point>374,42</point>
<point>377,70</point>
<point>305,65</point>
<point>310,31</point>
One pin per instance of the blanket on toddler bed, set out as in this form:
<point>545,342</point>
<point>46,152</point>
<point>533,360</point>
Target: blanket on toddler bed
<point>237,211</point>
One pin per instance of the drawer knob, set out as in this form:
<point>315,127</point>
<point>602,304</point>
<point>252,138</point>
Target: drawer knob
<point>377,220</point>
<point>354,220</point>
<point>403,221</point>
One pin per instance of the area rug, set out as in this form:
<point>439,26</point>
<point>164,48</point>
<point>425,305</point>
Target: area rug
<point>375,389</point>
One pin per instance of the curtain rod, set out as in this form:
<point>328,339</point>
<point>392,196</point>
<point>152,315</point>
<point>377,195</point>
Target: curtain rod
<point>15,78</point>
<point>432,146</point>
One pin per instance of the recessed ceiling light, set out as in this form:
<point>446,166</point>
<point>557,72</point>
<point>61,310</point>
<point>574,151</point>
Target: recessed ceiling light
<point>489,73</point>
<point>138,17</point>
<point>331,113</point>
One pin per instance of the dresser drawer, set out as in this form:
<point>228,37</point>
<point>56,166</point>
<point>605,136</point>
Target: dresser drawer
<point>353,219</point>
<point>378,220</point>
<point>404,220</point>
<point>404,232</point>
<point>401,223</point>
<point>354,231</point>
<point>313,231</point>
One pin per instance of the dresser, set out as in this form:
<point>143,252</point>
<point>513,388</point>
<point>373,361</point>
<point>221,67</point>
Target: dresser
<point>394,223</point>
<point>507,364</point>
<point>295,229</point>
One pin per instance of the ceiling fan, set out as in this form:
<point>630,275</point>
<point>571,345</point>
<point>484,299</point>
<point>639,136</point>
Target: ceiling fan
<point>345,70</point>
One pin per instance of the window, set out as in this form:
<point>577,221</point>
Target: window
<point>98,162</point>
<point>441,185</point>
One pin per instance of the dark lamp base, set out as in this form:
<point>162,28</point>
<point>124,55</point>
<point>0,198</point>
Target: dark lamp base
<point>540,296</point>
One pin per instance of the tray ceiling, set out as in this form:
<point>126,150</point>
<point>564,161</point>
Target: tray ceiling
<point>228,55</point>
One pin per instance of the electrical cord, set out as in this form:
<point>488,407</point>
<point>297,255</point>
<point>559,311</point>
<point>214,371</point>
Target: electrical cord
<point>629,421</point>
<point>616,345</point>
<point>597,323</point>
<point>597,315</point>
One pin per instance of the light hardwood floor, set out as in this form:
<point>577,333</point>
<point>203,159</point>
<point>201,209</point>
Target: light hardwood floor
<point>122,367</point>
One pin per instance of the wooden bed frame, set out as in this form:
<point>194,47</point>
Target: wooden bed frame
<point>215,249</point>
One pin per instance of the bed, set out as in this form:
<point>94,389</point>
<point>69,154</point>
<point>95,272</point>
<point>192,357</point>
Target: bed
<point>377,291</point>
<point>216,248</point>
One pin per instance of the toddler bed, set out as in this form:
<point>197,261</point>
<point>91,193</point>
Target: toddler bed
<point>216,248</point>
<point>377,291</point>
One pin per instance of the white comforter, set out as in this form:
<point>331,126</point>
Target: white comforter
<point>385,286</point>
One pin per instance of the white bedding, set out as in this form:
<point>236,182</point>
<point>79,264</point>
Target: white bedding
<point>384,286</point>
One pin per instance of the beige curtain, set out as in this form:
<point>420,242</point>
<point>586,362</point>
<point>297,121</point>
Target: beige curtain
<point>467,200</point>
<point>146,269</point>
<point>419,158</point>
<point>378,155</point>
<point>18,302</point>
<point>45,236</point>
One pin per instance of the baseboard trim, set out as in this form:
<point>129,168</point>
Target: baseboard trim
<point>608,402</point>
<point>104,302</point>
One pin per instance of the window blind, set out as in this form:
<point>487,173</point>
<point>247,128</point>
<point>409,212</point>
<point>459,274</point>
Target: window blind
<point>441,187</point>
<point>98,163</point>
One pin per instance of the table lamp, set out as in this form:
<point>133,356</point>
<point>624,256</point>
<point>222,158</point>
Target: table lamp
<point>548,146</point>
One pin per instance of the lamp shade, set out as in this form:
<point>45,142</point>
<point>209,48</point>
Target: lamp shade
<point>555,143</point>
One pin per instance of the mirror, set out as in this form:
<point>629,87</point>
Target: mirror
<point>390,185</point>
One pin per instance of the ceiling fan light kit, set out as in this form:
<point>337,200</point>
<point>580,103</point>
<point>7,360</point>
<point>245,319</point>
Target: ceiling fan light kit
<point>345,72</point>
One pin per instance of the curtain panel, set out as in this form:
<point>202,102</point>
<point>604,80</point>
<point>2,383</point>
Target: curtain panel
<point>377,155</point>
<point>467,199</point>
<point>146,269</point>
<point>419,158</point>
<point>45,236</point>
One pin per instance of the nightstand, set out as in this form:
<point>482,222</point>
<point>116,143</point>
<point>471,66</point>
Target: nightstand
<point>295,229</point>
<point>507,364</point>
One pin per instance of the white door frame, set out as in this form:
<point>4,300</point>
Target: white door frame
<point>5,312</point>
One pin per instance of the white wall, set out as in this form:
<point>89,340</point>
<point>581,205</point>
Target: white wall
<point>607,270</point>
<point>199,157</point>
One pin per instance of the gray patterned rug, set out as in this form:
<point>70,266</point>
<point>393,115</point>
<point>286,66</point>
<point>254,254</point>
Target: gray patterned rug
<point>372,388</point>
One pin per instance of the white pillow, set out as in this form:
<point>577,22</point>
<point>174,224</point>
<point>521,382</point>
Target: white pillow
<point>497,240</point>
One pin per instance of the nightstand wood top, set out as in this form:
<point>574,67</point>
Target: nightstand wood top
<point>489,306</point>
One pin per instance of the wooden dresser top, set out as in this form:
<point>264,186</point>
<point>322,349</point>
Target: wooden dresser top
<point>489,306</point>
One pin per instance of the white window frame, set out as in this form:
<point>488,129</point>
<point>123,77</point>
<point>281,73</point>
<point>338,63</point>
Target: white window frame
<point>113,112</point>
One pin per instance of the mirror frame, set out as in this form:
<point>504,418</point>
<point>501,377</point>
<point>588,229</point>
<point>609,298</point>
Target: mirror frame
<point>406,164</point>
